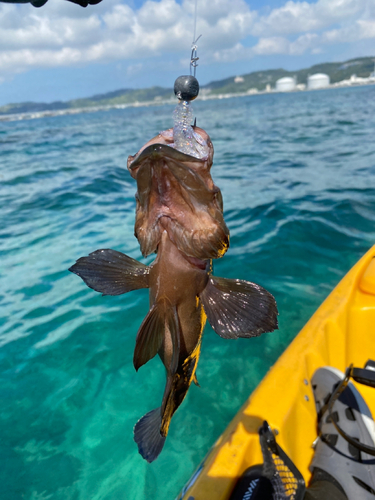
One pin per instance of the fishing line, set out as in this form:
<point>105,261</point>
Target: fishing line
<point>195,21</point>
<point>194,58</point>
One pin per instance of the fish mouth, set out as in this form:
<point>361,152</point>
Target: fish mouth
<point>156,151</point>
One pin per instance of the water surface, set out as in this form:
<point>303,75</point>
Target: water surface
<point>297,174</point>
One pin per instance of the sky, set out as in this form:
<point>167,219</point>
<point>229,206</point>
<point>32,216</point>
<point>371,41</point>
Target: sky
<point>62,51</point>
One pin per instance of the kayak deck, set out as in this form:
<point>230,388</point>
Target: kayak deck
<point>341,332</point>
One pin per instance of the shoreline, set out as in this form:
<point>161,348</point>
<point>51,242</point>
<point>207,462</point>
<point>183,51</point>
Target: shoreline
<point>93,109</point>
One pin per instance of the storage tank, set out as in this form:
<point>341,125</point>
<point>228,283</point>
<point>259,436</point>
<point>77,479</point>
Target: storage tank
<point>285,84</point>
<point>317,81</point>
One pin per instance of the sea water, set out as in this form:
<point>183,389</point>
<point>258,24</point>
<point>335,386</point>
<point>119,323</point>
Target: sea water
<point>297,173</point>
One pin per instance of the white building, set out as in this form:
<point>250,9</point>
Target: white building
<point>285,84</point>
<point>354,79</point>
<point>317,81</point>
<point>239,79</point>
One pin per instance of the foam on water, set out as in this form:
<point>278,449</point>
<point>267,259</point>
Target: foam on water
<point>296,172</point>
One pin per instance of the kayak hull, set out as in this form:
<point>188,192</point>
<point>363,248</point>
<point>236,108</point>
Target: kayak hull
<point>341,332</point>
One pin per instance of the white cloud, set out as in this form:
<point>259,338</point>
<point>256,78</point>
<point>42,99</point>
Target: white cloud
<point>356,20</point>
<point>360,30</point>
<point>304,43</point>
<point>269,46</point>
<point>299,17</point>
<point>366,28</point>
<point>161,14</point>
<point>272,45</point>
<point>120,18</point>
<point>63,34</point>
<point>281,45</point>
<point>58,34</point>
<point>235,53</point>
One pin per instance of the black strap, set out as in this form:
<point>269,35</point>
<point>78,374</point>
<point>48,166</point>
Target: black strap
<point>362,376</point>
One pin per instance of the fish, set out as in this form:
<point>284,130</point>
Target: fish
<point>179,216</point>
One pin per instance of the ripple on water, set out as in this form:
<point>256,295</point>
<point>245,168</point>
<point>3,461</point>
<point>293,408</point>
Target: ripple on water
<point>295,175</point>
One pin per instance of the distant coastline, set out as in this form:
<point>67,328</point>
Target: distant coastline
<point>94,109</point>
<point>355,72</point>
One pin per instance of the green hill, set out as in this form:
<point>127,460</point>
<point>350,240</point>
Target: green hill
<point>361,66</point>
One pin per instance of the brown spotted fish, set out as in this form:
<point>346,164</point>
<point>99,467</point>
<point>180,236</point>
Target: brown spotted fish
<point>179,216</point>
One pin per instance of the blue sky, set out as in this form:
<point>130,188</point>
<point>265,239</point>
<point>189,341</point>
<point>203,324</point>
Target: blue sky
<point>62,51</point>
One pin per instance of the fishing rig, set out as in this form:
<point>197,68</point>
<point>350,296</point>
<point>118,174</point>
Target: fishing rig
<point>186,89</point>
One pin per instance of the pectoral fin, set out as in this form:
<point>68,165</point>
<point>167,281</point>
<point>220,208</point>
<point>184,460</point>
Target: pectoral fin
<point>111,272</point>
<point>237,308</point>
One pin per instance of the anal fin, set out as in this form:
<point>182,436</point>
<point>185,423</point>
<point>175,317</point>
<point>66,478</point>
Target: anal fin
<point>111,272</point>
<point>147,435</point>
<point>237,308</point>
<point>151,334</point>
<point>149,337</point>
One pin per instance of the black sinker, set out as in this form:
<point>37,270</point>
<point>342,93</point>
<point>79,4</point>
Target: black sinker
<point>186,88</point>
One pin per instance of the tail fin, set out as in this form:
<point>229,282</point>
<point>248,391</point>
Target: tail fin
<point>147,435</point>
<point>111,272</point>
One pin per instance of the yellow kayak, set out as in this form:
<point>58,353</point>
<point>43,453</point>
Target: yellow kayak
<point>341,332</point>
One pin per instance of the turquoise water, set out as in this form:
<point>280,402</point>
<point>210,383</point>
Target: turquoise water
<point>297,174</point>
